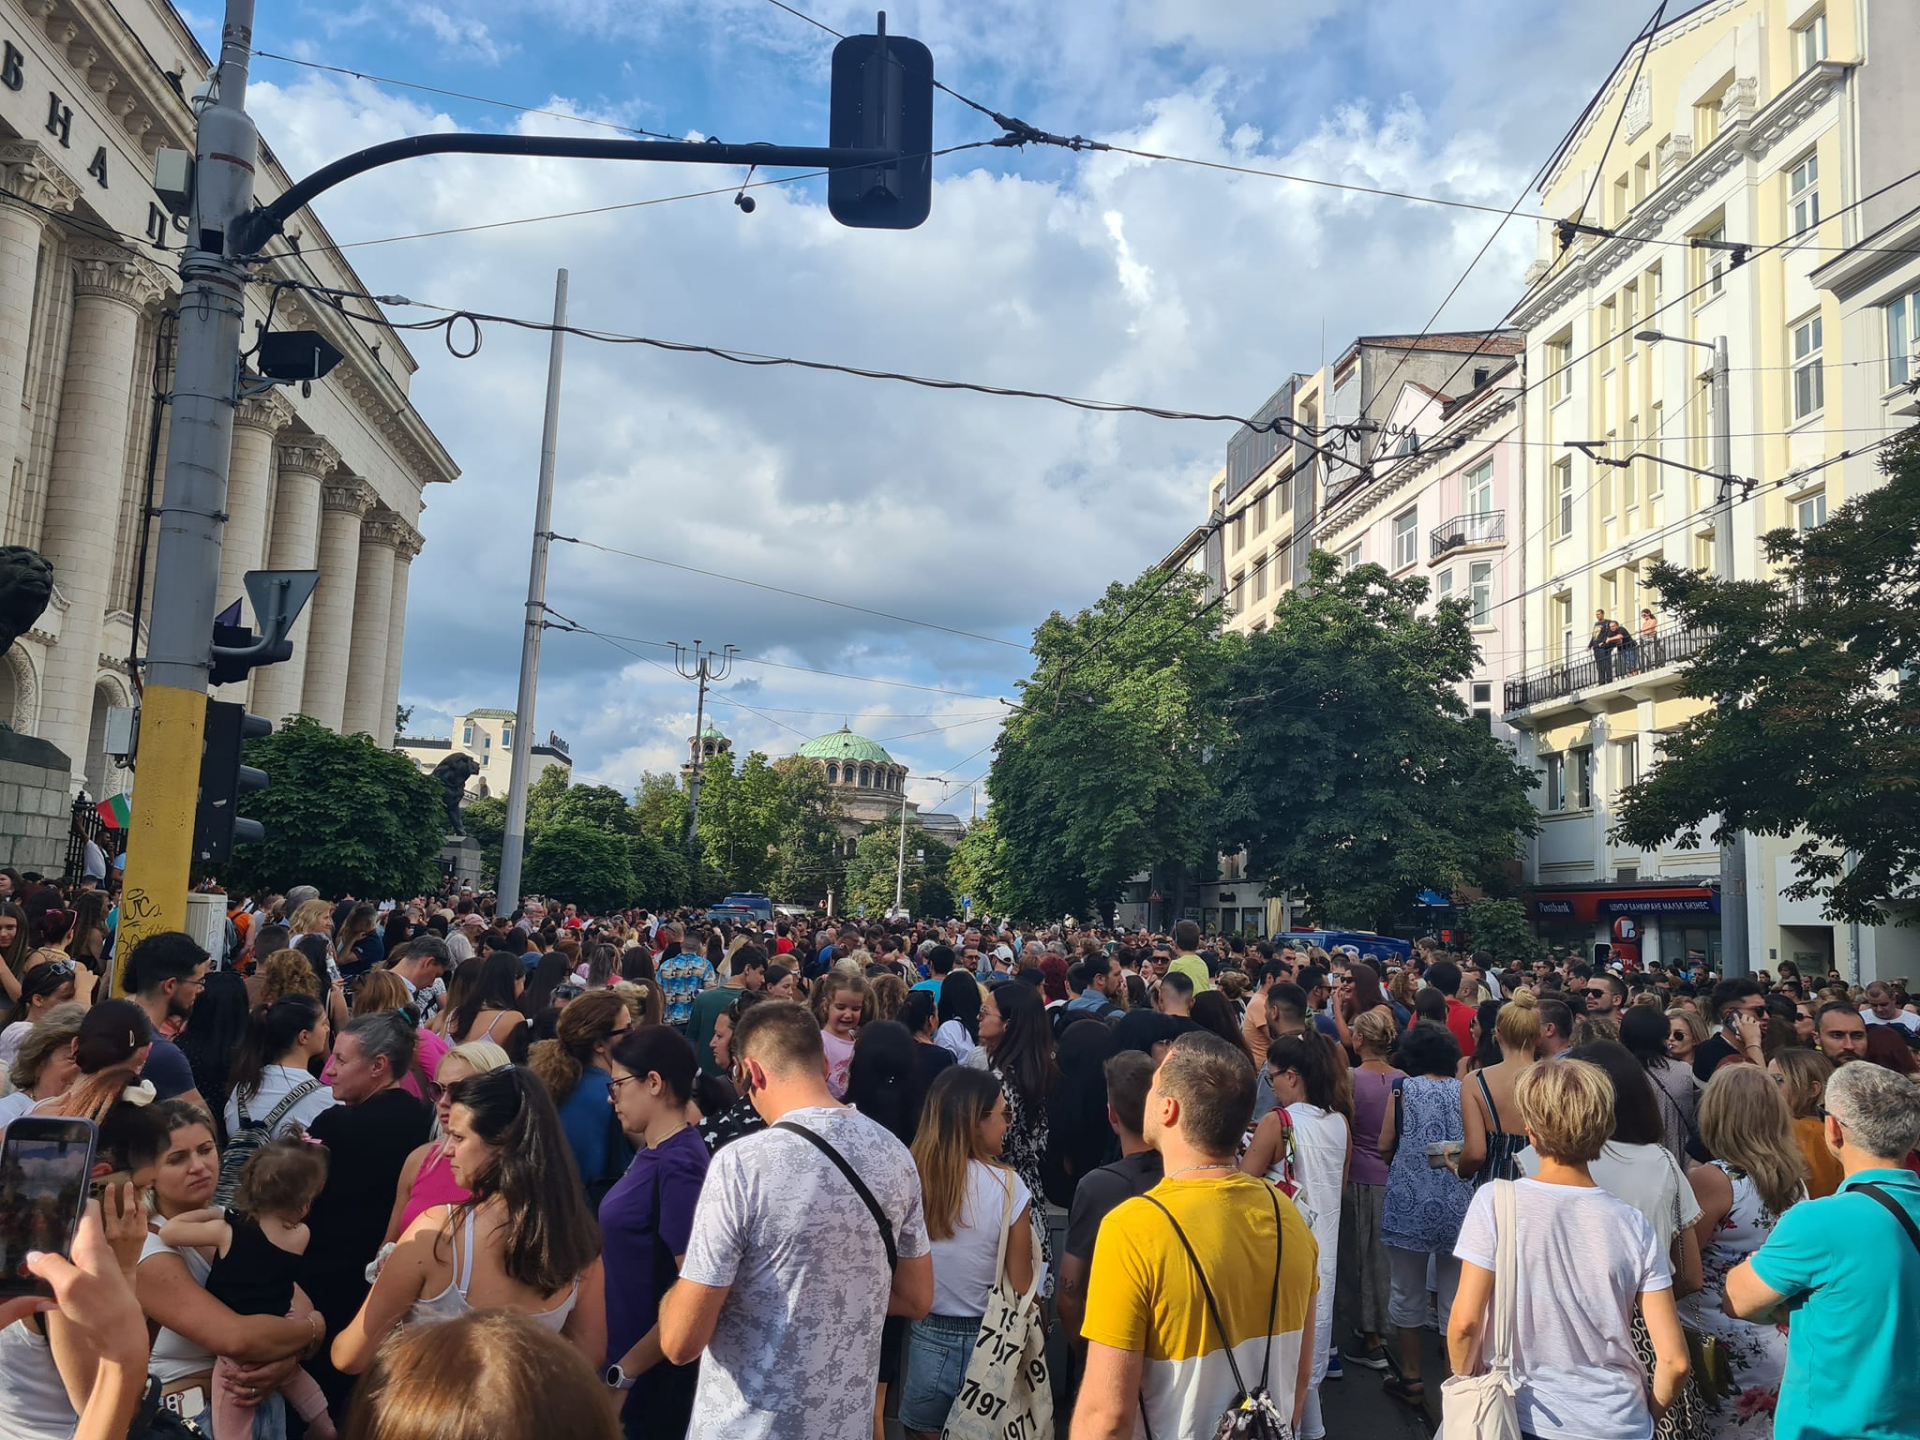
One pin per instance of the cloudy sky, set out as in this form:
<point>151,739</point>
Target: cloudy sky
<point>1091,275</point>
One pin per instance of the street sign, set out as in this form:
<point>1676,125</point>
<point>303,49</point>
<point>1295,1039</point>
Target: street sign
<point>1157,898</point>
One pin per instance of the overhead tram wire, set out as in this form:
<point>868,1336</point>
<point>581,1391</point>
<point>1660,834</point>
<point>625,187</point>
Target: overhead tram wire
<point>794,594</point>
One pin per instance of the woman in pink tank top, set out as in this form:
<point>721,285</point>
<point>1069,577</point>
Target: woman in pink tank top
<point>427,1178</point>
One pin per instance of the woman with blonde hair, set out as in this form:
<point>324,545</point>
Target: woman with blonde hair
<point>1757,1175</point>
<point>427,1179</point>
<point>972,1202</point>
<point>1686,1033</point>
<point>576,1066</point>
<point>284,973</point>
<point>889,994</point>
<point>1803,1076</point>
<point>1591,1261</point>
<point>1488,1148</point>
<point>645,999</point>
<point>44,1066</point>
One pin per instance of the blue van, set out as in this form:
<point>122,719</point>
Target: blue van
<point>1371,946</point>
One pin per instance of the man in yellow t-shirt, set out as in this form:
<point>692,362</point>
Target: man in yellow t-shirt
<point>1186,959</point>
<point>1152,1342</point>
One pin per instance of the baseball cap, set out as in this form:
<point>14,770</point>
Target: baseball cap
<point>1002,952</point>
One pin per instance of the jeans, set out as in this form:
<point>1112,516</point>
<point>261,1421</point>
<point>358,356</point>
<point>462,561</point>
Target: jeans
<point>938,1349</point>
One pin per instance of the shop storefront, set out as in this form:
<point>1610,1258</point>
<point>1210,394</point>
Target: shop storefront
<point>1643,924</point>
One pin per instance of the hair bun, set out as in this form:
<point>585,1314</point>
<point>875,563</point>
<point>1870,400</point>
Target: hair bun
<point>1524,999</point>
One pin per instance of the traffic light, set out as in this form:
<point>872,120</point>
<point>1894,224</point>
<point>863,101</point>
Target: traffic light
<point>217,824</point>
<point>882,99</point>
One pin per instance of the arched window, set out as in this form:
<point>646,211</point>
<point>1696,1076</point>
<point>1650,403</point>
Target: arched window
<point>866,775</point>
<point>833,774</point>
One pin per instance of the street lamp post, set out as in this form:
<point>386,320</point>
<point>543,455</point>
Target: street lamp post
<point>1734,940</point>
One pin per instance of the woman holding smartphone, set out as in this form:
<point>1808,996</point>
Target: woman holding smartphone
<point>195,1327</point>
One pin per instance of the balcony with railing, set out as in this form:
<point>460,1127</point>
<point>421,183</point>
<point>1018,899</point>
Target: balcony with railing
<point>1486,527</point>
<point>1563,680</point>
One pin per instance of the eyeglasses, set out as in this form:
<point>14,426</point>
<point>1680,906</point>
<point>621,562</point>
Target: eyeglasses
<point>617,1081</point>
<point>1680,1035</point>
<point>1600,990</point>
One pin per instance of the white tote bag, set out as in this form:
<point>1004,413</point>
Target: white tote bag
<point>1006,1391</point>
<point>1481,1407</point>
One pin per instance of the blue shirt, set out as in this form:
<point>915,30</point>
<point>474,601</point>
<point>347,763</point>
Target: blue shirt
<point>1856,1327</point>
<point>932,985</point>
<point>587,1117</point>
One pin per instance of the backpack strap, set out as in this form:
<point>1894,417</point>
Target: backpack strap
<point>1895,1209</point>
<point>820,1143</point>
<point>1213,1309</point>
<point>279,1112</point>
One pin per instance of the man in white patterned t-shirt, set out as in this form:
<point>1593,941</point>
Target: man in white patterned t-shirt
<point>785,1285</point>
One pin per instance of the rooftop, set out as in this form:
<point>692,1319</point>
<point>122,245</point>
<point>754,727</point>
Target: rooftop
<point>843,744</point>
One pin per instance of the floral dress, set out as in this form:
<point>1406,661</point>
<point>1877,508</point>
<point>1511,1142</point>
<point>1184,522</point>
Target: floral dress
<point>1757,1353</point>
<point>1423,1208</point>
<point>1026,1142</point>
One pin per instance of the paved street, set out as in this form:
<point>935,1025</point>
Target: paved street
<point>1358,1408</point>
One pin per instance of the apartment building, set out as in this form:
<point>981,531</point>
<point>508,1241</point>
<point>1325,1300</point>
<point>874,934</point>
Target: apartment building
<point>1730,200</point>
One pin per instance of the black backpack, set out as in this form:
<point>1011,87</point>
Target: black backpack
<point>1252,1415</point>
<point>251,1135</point>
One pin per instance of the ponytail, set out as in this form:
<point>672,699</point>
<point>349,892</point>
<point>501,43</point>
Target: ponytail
<point>271,1032</point>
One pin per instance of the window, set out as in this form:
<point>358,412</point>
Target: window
<point>1556,786</point>
<point>1630,477</point>
<point>1480,591</point>
<point>1260,579</point>
<point>466,733</point>
<point>1483,702</point>
<point>1903,330</point>
<point>1406,538</point>
<point>1626,763</point>
<point>1443,585</point>
<point>1622,198</point>
<point>1810,43</point>
<point>1479,489</point>
<point>1236,602</point>
<point>1809,374</point>
<point>1642,178</point>
<point>1260,513</point>
<point>506,736</point>
<point>1703,550</point>
<point>1803,195</point>
<point>1563,624</point>
<point>1350,557</point>
<point>1810,512</point>
<point>1713,264</point>
<point>1563,493</point>
<point>1579,793</point>
<point>1654,467</point>
<point>1240,530</point>
<point>1606,325</point>
<point>1560,367</point>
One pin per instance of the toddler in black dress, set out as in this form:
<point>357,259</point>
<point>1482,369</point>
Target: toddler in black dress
<point>257,1246</point>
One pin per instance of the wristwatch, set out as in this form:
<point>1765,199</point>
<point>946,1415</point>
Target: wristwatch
<point>618,1379</point>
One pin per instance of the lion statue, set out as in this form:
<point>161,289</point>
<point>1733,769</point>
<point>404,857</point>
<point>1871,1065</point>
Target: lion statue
<point>453,774</point>
<point>26,585</point>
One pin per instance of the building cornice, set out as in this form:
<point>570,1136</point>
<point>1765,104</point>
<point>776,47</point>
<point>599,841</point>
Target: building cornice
<point>1591,260</point>
<point>1416,466</point>
<point>29,172</point>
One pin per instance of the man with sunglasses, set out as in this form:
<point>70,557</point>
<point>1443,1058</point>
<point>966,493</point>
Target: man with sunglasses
<point>1741,1008</point>
<point>1606,995</point>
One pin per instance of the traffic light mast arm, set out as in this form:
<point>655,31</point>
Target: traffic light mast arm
<point>256,228</point>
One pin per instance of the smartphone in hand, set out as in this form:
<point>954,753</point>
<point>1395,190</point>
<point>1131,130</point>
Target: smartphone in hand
<point>46,1166</point>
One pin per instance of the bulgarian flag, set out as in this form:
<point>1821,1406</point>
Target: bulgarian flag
<point>114,812</point>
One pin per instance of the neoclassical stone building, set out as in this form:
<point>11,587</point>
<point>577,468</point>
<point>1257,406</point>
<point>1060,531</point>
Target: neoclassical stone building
<point>89,91</point>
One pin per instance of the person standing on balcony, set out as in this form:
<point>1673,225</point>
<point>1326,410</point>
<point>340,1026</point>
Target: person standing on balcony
<point>1609,637</point>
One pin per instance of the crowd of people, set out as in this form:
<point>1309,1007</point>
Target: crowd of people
<point>419,1169</point>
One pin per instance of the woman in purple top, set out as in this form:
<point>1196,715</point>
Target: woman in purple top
<point>646,1220</point>
<point>1363,1279</point>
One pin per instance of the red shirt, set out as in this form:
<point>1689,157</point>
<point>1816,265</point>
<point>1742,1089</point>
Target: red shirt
<point>782,946</point>
<point>1459,1019</point>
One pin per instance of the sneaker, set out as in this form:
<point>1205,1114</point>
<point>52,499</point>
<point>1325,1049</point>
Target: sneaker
<point>1374,1357</point>
<point>1334,1372</point>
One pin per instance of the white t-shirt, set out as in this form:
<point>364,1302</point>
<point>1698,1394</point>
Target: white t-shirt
<point>275,1082</point>
<point>1584,1256</point>
<point>797,1344</point>
<point>11,1039</point>
<point>175,1356</point>
<point>963,1265</point>
<point>1905,1020</point>
<point>1647,1177</point>
<point>13,1106</point>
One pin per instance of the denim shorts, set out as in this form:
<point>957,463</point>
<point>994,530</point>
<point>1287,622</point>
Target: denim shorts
<point>938,1349</point>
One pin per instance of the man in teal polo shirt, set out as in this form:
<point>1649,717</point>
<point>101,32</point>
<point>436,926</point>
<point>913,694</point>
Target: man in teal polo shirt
<point>1846,1269</point>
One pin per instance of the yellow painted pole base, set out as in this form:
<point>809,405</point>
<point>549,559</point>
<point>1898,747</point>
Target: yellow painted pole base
<point>166,792</point>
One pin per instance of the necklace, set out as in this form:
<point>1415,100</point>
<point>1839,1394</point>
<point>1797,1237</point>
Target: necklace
<point>1189,1169</point>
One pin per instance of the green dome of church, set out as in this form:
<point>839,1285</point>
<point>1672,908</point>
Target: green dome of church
<point>843,744</point>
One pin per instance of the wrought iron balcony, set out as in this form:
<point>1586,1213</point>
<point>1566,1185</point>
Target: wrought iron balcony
<point>1648,654</point>
<point>1488,527</point>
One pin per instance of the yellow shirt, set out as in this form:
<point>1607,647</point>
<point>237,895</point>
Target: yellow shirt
<point>1195,969</point>
<point>1142,1295</point>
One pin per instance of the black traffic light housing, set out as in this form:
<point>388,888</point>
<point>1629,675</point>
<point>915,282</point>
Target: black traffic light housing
<point>217,824</point>
<point>882,99</point>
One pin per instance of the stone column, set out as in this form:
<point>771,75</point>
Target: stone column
<point>403,555</point>
<point>29,172</point>
<point>88,474</point>
<point>343,500</point>
<point>243,543</point>
<point>304,462</point>
<point>366,671</point>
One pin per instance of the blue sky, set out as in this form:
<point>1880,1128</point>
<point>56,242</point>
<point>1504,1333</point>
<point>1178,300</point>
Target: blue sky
<point>1090,275</point>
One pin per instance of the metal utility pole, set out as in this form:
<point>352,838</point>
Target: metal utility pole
<point>900,868</point>
<point>193,504</point>
<point>513,845</point>
<point>708,667</point>
<point>1734,939</point>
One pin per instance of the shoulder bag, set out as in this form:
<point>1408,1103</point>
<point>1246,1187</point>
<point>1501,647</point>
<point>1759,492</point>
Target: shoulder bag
<point>1006,1390</point>
<point>1481,1407</point>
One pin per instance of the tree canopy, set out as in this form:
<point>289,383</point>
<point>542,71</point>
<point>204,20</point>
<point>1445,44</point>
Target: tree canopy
<point>575,862</point>
<point>1817,729</point>
<point>341,814</point>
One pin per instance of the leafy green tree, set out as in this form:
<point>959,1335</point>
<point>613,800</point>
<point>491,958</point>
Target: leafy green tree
<point>402,718</point>
<point>1353,775</point>
<point>597,805</point>
<point>544,796</point>
<point>1499,926</point>
<point>740,820</point>
<point>806,860</point>
<point>486,822</point>
<point>1819,733</point>
<point>575,863</point>
<point>872,871</point>
<point>660,875</point>
<point>660,806</point>
<point>1101,773</point>
<point>979,868</point>
<point>341,814</point>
